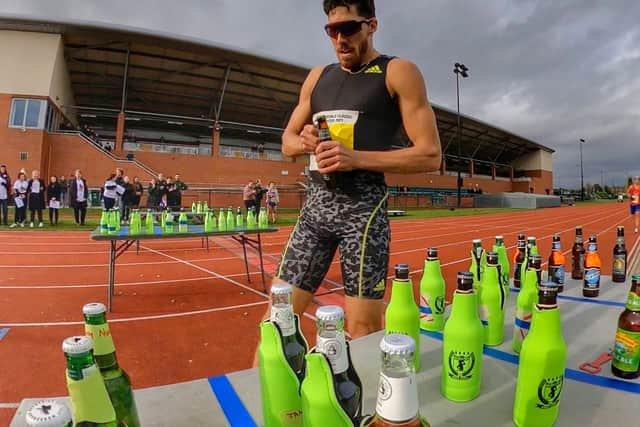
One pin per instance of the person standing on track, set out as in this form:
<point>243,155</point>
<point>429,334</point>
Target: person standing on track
<point>5,194</point>
<point>634,199</point>
<point>370,101</point>
<point>36,189</point>
<point>78,195</point>
<point>20,199</point>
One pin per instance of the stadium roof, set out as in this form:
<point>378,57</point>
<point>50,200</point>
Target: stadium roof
<point>201,82</point>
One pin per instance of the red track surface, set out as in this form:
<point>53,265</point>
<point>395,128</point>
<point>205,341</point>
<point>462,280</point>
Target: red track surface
<point>183,313</point>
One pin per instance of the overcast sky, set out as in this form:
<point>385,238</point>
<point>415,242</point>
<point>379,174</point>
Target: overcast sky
<point>552,71</point>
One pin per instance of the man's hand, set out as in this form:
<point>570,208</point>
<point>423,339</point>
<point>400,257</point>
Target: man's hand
<point>309,138</point>
<point>333,156</point>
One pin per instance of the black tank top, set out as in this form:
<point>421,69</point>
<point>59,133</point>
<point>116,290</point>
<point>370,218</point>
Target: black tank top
<point>361,113</point>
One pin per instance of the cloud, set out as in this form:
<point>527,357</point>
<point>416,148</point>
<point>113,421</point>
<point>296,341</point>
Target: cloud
<point>553,71</point>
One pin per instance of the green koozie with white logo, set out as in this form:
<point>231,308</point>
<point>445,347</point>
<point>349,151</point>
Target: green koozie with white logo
<point>462,344</point>
<point>402,315</point>
<point>432,294</point>
<point>525,302</point>
<point>492,298</point>
<point>503,261</point>
<point>231,223</point>
<point>222,221</point>
<point>542,362</point>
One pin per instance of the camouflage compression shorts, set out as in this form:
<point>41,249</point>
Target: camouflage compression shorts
<point>357,225</point>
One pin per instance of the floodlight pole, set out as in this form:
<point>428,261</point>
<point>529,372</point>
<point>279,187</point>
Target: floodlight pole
<point>459,69</point>
<point>581,171</point>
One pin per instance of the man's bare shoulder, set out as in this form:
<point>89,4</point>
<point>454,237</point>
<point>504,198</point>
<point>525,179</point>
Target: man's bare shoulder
<point>402,72</point>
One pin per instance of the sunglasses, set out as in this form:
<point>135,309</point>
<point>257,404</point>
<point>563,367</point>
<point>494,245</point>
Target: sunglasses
<point>346,28</point>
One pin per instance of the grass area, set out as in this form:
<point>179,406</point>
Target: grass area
<point>597,202</point>
<point>65,222</point>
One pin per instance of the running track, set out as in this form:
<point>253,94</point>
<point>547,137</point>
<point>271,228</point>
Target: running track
<point>182,313</point>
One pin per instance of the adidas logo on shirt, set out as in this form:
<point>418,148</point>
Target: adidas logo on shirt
<point>374,69</point>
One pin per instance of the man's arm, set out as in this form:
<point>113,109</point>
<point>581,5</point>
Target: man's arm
<point>405,81</point>
<point>297,138</point>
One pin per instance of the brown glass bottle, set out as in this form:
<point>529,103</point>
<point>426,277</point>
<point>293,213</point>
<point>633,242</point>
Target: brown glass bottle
<point>577,256</point>
<point>626,350</point>
<point>330,179</point>
<point>519,259</point>
<point>592,269</point>
<point>619,270</point>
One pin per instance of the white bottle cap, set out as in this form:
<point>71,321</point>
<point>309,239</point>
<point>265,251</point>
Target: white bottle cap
<point>329,313</point>
<point>281,288</point>
<point>77,345</point>
<point>94,308</point>
<point>397,344</point>
<point>48,413</point>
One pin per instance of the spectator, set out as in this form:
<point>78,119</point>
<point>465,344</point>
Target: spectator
<point>180,186</point>
<point>249,196</point>
<point>259,193</point>
<point>64,187</point>
<point>20,199</point>
<point>153,201</point>
<point>54,191</point>
<point>172,195</point>
<point>36,189</point>
<point>127,199</point>
<point>478,190</point>
<point>273,199</point>
<point>162,191</point>
<point>107,147</point>
<point>5,192</point>
<point>78,194</point>
<point>138,189</point>
<point>119,180</point>
<point>109,195</point>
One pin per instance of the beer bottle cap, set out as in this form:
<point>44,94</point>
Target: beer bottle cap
<point>476,241</point>
<point>530,238</point>
<point>397,344</point>
<point>77,345</point>
<point>48,413</point>
<point>402,271</point>
<point>492,258</point>
<point>499,237</point>
<point>327,313</point>
<point>432,253</point>
<point>281,288</point>
<point>593,238</point>
<point>556,237</point>
<point>465,280</point>
<point>94,309</point>
<point>520,236</point>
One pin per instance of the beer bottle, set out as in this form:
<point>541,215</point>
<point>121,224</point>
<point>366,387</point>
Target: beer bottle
<point>193,207</point>
<point>519,260</point>
<point>331,342</point>
<point>626,350</point>
<point>118,219</point>
<point>168,222</point>
<point>330,179</point>
<point>263,221</point>
<point>239,218</point>
<point>222,221</point>
<point>90,403</point>
<point>199,207</point>
<point>163,220</point>
<point>183,223</point>
<point>619,271</point>
<point>209,221</point>
<point>577,256</point>
<point>592,265</point>
<point>503,263</point>
<point>251,219</point>
<point>542,363</point>
<point>402,315</point>
<point>112,221</point>
<point>556,263</point>
<point>492,299</point>
<point>231,225</point>
<point>115,378</point>
<point>478,259</point>
<point>148,222</point>
<point>293,343</point>
<point>526,300</point>
<point>462,344</point>
<point>532,249</point>
<point>432,293</point>
<point>104,222</point>
<point>49,413</point>
<point>397,403</point>
<point>205,207</point>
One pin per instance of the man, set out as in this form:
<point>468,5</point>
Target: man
<point>5,192</point>
<point>119,179</point>
<point>249,196</point>
<point>634,199</point>
<point>63,187</point>
<point>259,191</point>
<point>161,186</point>
<point>367,99</point>
<point>180,187</point>
<point>78,195</point>
<point>172,195</point>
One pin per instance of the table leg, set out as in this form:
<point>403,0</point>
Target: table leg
<point>137,247</point>
<point>112,267</point>
<point>264,286</point>
<point>246,261</point>
<point>207,239</point>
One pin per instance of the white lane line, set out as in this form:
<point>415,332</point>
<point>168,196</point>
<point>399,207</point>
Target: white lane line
<point>9,405</point>
<point>134,319</point>
<point>120,264</point>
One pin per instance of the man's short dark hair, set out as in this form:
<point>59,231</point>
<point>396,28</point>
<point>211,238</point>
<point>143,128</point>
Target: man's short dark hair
<point>366,8</point>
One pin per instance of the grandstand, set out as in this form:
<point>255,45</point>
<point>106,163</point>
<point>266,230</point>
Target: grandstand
<point>168,104</point>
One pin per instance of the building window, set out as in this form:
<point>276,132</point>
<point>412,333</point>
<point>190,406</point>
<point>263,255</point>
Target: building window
<point>27,113</point>
<point>24,155</point>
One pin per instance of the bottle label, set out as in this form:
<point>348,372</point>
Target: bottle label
<point>427,310</point>
<point>522,324</point>
<point>620,264</point>
<point>461,364</point>
<point>592,247</point>
<point>549,391</point>
<point>556,274</point>
<point>591,278</point>
<point>336,351</point>
<point>283,317</point>
<point>633,302</point>
<point>101,336</point>
<point>397,398</point>
<point>555,246</point>
<point>626,351</point>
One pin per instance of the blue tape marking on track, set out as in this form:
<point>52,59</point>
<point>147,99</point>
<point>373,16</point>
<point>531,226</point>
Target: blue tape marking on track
<point>3,332</point>
<point>581,299</point>
<point>233,408</point>
<point>571,374</point>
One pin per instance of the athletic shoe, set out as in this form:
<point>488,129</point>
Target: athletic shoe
<point>14,225</point>
<point>40,225</point>
<point>22,224</point>
<point>31,224</point>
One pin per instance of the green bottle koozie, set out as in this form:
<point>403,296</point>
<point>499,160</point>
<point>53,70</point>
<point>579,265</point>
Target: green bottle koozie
<point>491,311</point>
<point>148,222</point>
<point>104,222</point>
<point>462,349</point>
<point>432,297</point>
<point>540,372</point>
<point>527,298</point>
<point>279,385</point>
<point>477,272</point>
<point>505,268</point>
<point>113,222</point>
<point>222,221</point>
<point>231,223</point>
<point>320,406</point>
<point>403,316</point>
